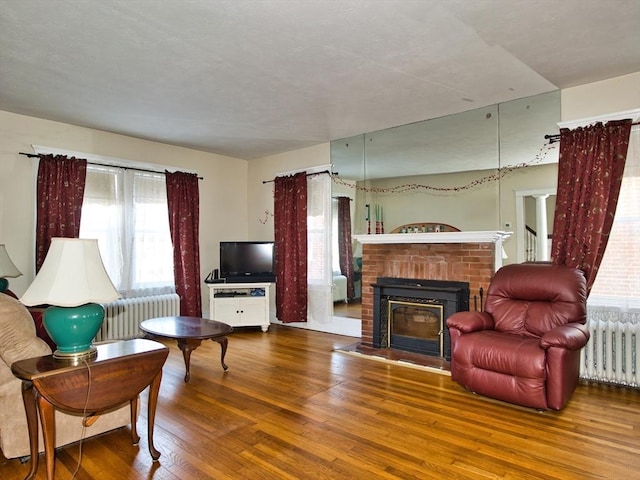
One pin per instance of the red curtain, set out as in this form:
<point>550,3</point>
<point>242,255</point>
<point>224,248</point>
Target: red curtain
<point>590,172</point>
<point>60,190</point>
<point>290,231</point>
<point>345,251</point>
<point>183,200</point>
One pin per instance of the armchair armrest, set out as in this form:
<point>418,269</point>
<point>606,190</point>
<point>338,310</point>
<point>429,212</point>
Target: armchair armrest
<point>467,322</point>
<point>5,377</point>
<point>572,336</point>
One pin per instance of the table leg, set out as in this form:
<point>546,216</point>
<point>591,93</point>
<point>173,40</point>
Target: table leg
<point>47,420</point>
<point>154,388</point>
<point>31,409</point>
<point>223,350</point>
<point>187,346</point>
<point>133,405</point>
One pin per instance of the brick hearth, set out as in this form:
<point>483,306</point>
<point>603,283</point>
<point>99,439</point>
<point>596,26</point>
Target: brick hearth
<point>463,262</point>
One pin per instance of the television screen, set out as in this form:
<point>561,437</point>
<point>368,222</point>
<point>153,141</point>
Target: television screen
<point>239,259</point>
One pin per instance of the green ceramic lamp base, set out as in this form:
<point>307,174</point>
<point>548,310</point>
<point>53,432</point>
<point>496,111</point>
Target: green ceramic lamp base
<point>4,284</point>
<point>73,329</point>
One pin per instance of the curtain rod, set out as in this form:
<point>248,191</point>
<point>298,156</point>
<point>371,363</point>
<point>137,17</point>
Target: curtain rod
<point>35,155</point>
<point>556,136</point>
<point>308,175</point>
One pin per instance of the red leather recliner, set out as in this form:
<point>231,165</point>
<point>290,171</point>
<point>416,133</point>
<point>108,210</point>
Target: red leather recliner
<point>524,348</point>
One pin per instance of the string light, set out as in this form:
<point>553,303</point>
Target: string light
<point>407,187</point>
<point>267,215</point>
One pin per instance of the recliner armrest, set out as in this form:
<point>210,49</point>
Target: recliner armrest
<point>468,322</point>
<point>572,336</point>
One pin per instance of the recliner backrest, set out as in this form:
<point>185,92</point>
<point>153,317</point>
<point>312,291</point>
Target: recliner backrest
<point>530,299</point>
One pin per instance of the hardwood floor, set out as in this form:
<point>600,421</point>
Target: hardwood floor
<point>290,407</point>
<point>352,309</point>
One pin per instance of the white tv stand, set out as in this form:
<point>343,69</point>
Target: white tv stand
<point>233,304</point>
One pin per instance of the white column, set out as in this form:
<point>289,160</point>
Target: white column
<point>542,243</point>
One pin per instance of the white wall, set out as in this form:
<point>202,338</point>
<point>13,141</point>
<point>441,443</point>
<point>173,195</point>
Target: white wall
<point>600,98</point>
<point>223,191</point>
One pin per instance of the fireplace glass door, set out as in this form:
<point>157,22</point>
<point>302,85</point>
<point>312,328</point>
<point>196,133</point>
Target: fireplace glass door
<point>416,327</point>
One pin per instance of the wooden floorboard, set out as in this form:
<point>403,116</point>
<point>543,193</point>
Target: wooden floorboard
<point>292,407</point>
<point>350,309</point>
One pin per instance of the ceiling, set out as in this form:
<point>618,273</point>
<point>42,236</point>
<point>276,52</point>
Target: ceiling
<point>251,78</point>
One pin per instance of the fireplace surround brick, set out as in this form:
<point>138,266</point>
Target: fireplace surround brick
<point>463,262</point>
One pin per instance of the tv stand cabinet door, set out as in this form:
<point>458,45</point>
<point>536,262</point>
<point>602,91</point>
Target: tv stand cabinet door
<point>242,310</point>
<point>252,312</point>
<point>226,310</point>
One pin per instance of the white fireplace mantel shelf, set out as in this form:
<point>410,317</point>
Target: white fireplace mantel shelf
<point>490,236</point>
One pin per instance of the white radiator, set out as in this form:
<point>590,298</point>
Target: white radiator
<point>612,354</point>
<point>123,317</point>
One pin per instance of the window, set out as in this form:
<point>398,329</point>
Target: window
<point>618,280</point>
<point>126,210</point>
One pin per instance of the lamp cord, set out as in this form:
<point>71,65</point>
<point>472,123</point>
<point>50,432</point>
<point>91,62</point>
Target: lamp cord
<point>84,418</point>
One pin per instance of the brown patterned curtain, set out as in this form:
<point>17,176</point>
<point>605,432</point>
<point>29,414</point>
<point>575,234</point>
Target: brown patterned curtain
<point>345,252</point>
<point>590,172</point>
<point>60,190</point>
<point>183,200</point>
<point>290,231</point>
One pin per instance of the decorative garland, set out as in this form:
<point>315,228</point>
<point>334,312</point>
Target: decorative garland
<point>267,215</point>
<point>406,187</point>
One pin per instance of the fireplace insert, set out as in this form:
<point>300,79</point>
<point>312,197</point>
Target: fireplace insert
<point>411,314</point>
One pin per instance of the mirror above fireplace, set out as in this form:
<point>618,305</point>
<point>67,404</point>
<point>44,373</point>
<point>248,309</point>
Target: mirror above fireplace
<point>464,159</point>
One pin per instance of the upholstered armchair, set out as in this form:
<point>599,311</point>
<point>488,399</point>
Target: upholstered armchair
<point>524,348</point>
<point>18,341</point>
<point>339,287</point>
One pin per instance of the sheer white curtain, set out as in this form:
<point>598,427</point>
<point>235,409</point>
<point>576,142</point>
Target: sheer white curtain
<point>319,277</point>
<point>618,281</point>
<point>335,257</point>
<point>126,210</point>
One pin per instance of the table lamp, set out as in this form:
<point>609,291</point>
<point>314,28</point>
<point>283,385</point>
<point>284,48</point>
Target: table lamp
<point>72,280</point>
<point>7,269</point>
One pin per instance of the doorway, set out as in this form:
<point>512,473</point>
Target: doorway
<point>534,223</point>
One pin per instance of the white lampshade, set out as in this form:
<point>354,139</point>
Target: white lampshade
<point>7,267</point>
<point>72,274</point>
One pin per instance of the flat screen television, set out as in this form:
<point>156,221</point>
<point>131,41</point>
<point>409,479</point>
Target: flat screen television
<point>247,261</point>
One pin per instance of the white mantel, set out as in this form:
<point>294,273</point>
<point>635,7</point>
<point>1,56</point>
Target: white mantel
<point>489,236</point>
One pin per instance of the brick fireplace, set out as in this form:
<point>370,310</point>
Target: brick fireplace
<point>471,257</point>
